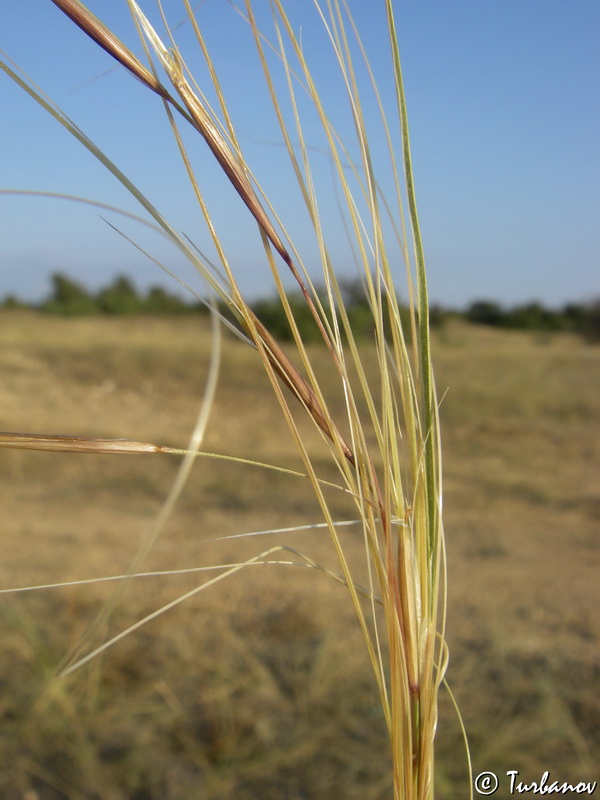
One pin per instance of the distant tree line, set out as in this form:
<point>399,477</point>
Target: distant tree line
<point>581,318</point>
<point>121,297</point>
<point>69,298</point>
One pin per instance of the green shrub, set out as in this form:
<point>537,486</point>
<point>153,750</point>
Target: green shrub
<point>120,297</point>
<point>68,298</point>
<point>159,301</point>
<point>485,312</point>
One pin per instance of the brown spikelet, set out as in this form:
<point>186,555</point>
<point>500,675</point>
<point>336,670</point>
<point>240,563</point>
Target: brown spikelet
<point>300,388</point>
<point>75,444</point>
<point>97,31</point>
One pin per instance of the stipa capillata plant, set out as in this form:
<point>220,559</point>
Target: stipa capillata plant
<point>386,448</point>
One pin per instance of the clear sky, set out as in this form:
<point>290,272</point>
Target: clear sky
<point>504,113</point>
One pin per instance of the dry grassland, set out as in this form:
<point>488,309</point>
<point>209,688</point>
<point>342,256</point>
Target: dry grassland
<point>260,687</point>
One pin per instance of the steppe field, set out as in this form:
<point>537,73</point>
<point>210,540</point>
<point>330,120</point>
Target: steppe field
<point>259,688</point>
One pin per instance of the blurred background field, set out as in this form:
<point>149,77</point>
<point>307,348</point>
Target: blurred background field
<point>260,687</point>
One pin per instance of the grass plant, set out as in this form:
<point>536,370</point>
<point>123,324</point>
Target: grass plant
<point>381,453</point>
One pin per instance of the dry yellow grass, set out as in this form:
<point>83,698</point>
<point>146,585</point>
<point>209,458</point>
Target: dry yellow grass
<point>244,692</point>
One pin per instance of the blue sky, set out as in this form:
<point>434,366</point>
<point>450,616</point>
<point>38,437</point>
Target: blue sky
<point>504,113</point>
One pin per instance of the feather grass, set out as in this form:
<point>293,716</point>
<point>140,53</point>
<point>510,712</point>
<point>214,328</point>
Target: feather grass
<point>396,482</point>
